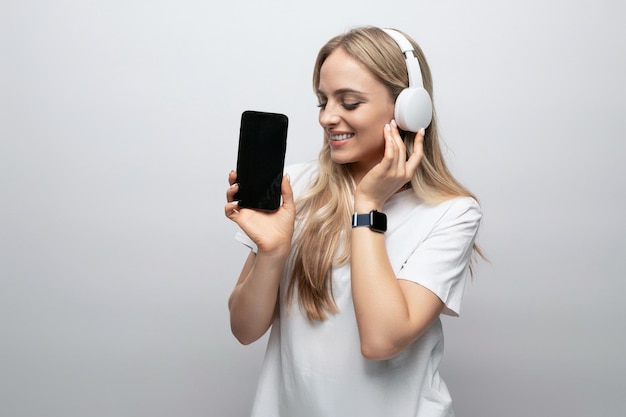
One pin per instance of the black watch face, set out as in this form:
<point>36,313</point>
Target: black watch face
<point>379,221</point>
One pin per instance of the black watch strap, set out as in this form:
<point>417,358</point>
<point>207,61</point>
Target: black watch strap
<point>375,220</point>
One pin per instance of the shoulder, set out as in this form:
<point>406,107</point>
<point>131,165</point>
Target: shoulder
<point>411,219</point>
<point>432,246</point>
<point>457,218</point>
<point>466,207</point>
<point>456,213</point>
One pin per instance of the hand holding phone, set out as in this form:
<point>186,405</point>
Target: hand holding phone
<point>261,159</point>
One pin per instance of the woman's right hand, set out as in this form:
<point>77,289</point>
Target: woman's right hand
<point>270,231</point>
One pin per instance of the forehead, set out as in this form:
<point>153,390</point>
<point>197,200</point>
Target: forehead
<point>342,71</point>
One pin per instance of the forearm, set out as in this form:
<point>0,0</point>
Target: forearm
<point>253,302</point>
<point>381,308</point>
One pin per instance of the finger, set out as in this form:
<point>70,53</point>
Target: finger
<point>401,157</point>
<point>391,150</point>
<point>232,177</point>
<point>231,191</point>
<point>418,152</point>
<point>418,145</point>
<point>398,164</point>
<point>231,210</point>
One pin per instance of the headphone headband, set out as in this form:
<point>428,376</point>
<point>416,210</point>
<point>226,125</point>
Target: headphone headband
<point>412,64</point>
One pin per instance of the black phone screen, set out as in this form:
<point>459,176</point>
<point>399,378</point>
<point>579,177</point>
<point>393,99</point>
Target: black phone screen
<point>261,159</point>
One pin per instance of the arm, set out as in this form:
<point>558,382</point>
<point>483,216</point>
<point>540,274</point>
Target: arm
<point>389,320</point>
<point>390,313</point>
<point>253,303</point>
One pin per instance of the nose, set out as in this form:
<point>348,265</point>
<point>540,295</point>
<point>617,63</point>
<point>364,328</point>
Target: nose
<point>329,116</point>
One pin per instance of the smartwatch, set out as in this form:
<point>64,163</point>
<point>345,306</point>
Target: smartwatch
<point>375,220</point>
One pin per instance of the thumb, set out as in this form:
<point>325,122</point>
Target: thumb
<point>286,191</point>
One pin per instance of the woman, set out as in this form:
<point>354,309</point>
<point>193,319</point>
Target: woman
<point>354,311</point>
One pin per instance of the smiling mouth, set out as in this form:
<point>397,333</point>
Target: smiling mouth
<point>343,136</point>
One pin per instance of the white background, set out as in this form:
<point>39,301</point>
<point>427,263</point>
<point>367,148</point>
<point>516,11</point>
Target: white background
<point>118,127</point>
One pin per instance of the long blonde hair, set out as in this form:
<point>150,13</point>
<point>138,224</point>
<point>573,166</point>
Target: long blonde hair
<point>325,210</point>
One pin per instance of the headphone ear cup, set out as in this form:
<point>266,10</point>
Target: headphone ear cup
<point>414,109</point>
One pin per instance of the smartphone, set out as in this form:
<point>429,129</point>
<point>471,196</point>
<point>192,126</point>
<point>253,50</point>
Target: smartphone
<point>261,159</point>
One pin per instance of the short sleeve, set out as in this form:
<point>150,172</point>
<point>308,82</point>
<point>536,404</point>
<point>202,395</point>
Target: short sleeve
<point>243,238</point>
<point>441,261</point>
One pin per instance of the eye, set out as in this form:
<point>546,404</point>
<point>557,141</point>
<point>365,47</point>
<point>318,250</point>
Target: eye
<point>351,106</point>
<point>347,106</point>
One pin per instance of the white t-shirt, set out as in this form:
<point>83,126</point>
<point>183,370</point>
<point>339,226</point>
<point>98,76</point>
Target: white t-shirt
<point>316,369</point>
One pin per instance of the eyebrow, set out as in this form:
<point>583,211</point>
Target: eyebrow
<point>342,91</point>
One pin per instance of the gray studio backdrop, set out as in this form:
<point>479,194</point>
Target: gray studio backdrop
<point>118,127</point>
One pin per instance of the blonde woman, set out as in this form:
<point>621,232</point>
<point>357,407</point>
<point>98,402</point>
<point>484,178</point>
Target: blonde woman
<point>353,301</point>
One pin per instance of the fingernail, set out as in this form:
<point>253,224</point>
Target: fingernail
<point>288,178</point>
<point>422,131</point>
<point>387,127</point>
<point>393,123</point>
<point>234,185</point>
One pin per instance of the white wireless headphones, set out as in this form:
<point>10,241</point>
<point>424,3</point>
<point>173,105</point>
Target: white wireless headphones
<point>414,108</point>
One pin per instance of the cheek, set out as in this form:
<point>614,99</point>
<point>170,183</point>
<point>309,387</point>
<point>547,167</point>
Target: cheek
<point>384,114</point>
<point>375,122</point>
<point>390,112</point>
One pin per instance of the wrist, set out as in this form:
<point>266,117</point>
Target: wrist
<point>277,252</point>
<point>364,205</point>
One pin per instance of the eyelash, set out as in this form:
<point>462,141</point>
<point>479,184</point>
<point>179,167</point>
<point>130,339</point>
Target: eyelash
<point>347,106</point>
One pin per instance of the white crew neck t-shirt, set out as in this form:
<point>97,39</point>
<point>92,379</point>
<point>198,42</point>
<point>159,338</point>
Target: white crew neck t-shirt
<point>316,369</point>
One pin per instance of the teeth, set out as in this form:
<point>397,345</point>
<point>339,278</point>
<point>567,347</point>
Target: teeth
<point>341,137</point>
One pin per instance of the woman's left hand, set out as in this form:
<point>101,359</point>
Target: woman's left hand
<point>391,174</point>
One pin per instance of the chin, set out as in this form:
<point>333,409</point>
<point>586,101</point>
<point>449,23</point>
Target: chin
<point>339,159</point>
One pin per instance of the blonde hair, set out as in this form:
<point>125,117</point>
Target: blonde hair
<point>325,210</point>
